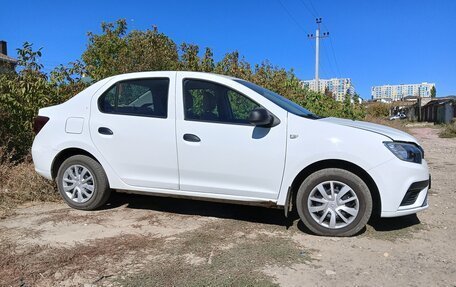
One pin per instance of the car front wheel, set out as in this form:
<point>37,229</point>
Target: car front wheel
<point>334,202</point>
<point>82,183</point>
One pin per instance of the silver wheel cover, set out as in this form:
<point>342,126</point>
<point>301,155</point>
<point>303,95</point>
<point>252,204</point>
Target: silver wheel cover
<point>333,204</point>
<point>78,183</point>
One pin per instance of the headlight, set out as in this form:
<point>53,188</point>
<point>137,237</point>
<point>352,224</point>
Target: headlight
<point>405,151</point>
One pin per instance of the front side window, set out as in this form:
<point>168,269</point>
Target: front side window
<point>139,97</point>
<point>208,101</point>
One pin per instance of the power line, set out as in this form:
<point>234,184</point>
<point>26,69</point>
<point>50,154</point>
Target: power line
<point>334,55</point>
<point>291,16</point>
<point>333,52</point>
<point>308,9</point>
<point>329,61</point>
<point>313,7</point>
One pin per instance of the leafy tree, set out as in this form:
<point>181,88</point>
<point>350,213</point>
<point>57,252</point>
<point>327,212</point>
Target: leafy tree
<point>21,95</point>
<point>67,80</point>
<point>207,62</point>
<point>149,50</point>
<point>347,105</point>
<point>359,111</point>
<point>115,52</point>
<point>28,58</point>
<point>433,92</point>
<point>190,60</point>
<point>106,54</point>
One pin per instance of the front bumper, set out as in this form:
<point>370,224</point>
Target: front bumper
<point>403,187</point>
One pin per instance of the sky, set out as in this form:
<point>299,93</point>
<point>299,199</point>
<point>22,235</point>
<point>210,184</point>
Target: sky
<point>372,42</point>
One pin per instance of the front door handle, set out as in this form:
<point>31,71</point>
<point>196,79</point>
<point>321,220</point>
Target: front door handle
<point>105,131</point>
<point>191,138</point>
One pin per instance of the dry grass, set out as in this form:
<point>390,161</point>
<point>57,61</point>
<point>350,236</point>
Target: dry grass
<point>227,254</point>
<point>230,254</point>
<point>44,266</point>
<point>378,110</point>
<point>20,183</point>
<point>448,131</point>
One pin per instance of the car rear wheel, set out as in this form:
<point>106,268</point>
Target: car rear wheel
<point>82,183</point>
<point>334,202</point>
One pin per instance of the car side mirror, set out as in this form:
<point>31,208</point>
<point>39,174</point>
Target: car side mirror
<point>261,117</point>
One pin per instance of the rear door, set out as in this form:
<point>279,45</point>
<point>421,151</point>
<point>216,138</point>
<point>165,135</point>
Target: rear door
<point>132,124</point>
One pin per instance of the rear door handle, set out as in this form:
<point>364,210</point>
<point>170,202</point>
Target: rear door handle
<point>105,131</point>
<point>191,138</point>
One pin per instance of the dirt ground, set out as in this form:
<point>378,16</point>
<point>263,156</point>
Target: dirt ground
<point>152,241</point>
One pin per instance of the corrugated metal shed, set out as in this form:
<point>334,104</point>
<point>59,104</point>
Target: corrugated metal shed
<point>439,110</point>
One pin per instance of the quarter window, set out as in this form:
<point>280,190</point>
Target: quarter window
<point>141,97</point>
<point>211,102</point>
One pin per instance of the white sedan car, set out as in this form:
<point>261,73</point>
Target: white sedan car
<point>215,137</point>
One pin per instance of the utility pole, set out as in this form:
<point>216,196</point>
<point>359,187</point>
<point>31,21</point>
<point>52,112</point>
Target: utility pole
<point>317,38</point>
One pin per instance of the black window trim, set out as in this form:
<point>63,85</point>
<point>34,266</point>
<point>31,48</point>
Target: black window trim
<point>212,121</point>
<point>135,115</point>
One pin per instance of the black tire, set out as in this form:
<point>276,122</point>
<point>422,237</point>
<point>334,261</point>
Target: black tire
<point>356,184</point>
<point>101,190</point>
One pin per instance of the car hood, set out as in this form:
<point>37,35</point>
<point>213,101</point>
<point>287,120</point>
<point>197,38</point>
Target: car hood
<point>392,133</point>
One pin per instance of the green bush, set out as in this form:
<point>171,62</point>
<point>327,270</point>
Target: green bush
<point>22,94</point>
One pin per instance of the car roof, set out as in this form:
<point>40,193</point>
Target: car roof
<point>144,73</point>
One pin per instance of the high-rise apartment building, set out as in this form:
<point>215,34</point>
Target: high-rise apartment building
<point>339,87</point>
<point>399,92</point>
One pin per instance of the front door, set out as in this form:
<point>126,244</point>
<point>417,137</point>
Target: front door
<point>220,152</point>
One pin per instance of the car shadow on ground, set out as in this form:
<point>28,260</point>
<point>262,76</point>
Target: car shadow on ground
<point>394,223</point>
<point>255,214</point>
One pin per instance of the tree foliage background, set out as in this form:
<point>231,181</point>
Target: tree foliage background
<point>433,92</point>
<point>117,50</point>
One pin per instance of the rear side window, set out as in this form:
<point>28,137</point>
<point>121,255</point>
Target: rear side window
<point>141,97</point>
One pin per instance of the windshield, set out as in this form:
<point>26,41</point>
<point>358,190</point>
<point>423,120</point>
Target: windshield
<point>279,100</point>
